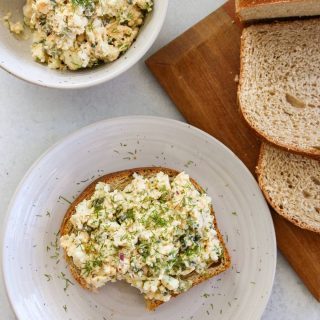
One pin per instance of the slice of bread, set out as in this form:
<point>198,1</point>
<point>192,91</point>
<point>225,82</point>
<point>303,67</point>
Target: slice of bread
<point>248,10</point>
<point>119,180</point>
<point>291,184</point>
<point>279,88</point>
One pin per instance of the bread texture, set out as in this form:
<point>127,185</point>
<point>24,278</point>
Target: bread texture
<point>291,184</point>
<point>119,180</point>
<point>279,87</point>
<point>249,10</point>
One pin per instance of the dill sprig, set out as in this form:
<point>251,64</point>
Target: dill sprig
<point>63,277</point>
<point>83,3</point>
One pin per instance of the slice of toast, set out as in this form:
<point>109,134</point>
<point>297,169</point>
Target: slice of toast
<point>291,184</point>
<point>119,180</point>
<point>279,91</point>
<point>249,10</point>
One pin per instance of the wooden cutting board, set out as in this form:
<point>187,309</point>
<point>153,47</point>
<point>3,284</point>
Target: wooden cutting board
<point>198,70</point>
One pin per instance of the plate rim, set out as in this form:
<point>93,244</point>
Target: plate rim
<point>106,122</point>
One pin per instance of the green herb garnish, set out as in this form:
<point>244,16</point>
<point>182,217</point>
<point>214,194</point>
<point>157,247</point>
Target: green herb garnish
<point>83,3</point>
<point>63,198</point>
<point>97,204</point>
<point>67,281</point>
<point>155,217</point>
<point>48,276</point>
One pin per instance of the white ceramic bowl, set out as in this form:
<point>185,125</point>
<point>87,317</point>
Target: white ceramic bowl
<point>15,55</point>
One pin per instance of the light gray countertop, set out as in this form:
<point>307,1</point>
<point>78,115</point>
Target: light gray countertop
<point>33,118</point>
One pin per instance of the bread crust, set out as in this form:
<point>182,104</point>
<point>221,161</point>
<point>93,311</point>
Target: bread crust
<point>255,10</point>
<point>123,178</point>
<point>310,152</point>
<point>260,172</point>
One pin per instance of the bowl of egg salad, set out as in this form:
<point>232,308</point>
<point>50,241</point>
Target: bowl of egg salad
<point>76,43</point>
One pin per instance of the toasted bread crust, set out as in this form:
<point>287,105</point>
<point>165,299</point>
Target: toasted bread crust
<point>121,179</point>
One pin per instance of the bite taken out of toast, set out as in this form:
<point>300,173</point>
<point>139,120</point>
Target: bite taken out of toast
<point>154,228</point>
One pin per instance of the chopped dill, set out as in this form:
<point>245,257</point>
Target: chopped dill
<point>63,198</point>
<point>48,276</point>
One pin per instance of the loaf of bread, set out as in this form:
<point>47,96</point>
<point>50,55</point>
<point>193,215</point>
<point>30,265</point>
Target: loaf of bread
<point>248,10</point>
<point>291,184</point>
<point>279,86</point>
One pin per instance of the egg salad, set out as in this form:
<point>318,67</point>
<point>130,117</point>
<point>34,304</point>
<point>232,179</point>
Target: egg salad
<point>154,234</point>
<point>76,34</point>
<point>14,27</point>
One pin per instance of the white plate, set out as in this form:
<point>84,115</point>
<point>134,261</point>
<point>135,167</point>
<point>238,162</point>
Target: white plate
<point>242,213</point>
